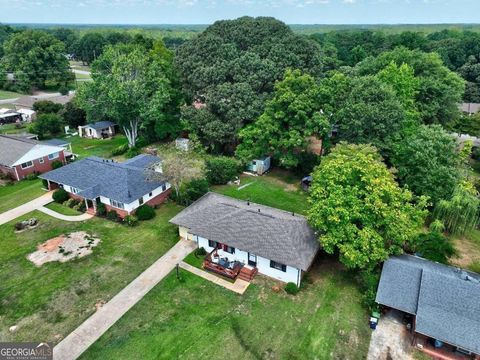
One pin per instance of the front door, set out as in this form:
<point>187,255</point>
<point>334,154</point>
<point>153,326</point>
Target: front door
<point>252,259</point>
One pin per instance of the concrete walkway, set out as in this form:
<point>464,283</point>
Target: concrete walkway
<point>57,215</point>
<point>96,325</point>
<point>239,286</point>
<point>30,206</point>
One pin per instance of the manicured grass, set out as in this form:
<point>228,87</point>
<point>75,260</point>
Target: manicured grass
<point>87,147</point>
<point>19,193</point>
<point>50,301</point>
<point>11,128</point>
<point>192,318</point>
<point>62,209</point>
<point>277,189</point>
<point>8,95</point>
<point>194,260</point>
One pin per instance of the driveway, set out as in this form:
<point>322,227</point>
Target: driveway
<point>390,341</point>
<point>96,325</point>
<point>30,206</point>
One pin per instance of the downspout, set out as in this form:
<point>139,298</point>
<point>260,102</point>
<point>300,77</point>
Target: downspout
<point>298,277</point>
<point>16,173</point>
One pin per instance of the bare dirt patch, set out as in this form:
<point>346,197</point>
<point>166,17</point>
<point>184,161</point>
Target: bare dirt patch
<point>467,253</point>
<point>64,248</point>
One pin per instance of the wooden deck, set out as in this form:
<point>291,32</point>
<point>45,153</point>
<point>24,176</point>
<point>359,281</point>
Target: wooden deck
<point>239,270</point>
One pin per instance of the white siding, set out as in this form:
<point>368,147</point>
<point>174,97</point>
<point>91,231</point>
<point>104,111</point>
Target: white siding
<point>291,274</point>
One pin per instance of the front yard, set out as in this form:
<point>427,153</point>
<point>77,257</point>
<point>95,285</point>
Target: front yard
<point>19,193</point>
<point>48,302</point>
<point>195,319</point>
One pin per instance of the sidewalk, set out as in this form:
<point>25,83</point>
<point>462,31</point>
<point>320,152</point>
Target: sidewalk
<point>239,286</point>
<point>30,206</point>
<point>96,325</point>
<point>57,215</point>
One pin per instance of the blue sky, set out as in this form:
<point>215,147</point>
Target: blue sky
<point>207,11</point>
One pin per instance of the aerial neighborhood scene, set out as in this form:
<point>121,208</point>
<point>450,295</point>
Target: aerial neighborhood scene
<point>204,179</point>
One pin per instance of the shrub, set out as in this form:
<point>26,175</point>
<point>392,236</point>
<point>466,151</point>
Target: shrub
<point>45,184</point>
<point>63,90</point>
<point>71,203</point>
<point>368,284</point>
<point>194,190</point>
<point>120,150</point>
<point>201,251</point>
<point>291,288</point>
<point>101,209</point>
<point>31,176</point>
<point>132,152</point>
<point>56,164</point>
<point>434,246</point>
<point>221,169</point>
<point>112,215</point>
<point>130,220</point>
<point>145,212</point>
<point>60,196</point>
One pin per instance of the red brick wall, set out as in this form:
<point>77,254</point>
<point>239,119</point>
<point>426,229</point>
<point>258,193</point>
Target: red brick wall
<point>157,200</point>
<point>38,167</point>
<point>120,212</point>
<point>8,171</point>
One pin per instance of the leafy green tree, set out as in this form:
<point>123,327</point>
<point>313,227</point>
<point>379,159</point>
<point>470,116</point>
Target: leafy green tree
<point>73,116</point>
<point>67,36</point>
<point>89,47</point>
<point>47,125</point>
<point>440,90</point>
<point>36,58</point>
<point>232,67</point>
<point>427,162</point>
<point>132,87</point>
<point>290,118</point>
<point>433,246</point>
<point>47,107</point>
<point>359,210</point>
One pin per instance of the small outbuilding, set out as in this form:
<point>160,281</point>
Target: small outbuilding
<point>259,166</point>
<point>97,130</point>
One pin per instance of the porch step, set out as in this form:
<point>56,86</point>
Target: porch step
<point>247,273</point>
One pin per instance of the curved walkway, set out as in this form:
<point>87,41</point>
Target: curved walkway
<point>57,215</point>
<point>86,334</point>
<point>30,206</point>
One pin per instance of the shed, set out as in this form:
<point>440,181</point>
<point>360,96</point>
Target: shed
<point>182,144</point>
<point>259,166</point>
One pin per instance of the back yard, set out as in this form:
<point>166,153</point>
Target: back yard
<point>48,302</point>
<point>195,319</point>
<point>84,147</point>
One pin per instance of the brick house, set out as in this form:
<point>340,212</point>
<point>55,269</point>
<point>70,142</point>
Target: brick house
<point>121,187</point>
<point>20,156</point>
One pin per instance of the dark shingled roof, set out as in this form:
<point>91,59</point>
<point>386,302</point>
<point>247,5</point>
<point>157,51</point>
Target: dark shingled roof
<point>94,176</point>
<point>99,125</point>
<point>13,148</point>
<point>271,233</point>
<point>444,299</point>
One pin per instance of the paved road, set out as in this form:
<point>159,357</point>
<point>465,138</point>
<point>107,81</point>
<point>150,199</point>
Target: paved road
<point>57,215</point>
<point>30,206</point>
<point>83,72</point>
<point>96,325</point>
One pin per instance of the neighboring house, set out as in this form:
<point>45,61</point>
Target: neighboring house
<point>239,234</point>
<point>28,115</point>
<point>69,155</point>
<point>469,108</point>
<point>259,166</point>
<point>98,130</point>
<point>26,102</point>
<point>444,302</point>
<point>20,156</point>
<point>462,138</point>
<point>9,116</point>
<point>122,187</point>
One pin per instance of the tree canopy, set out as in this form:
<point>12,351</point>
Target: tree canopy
<point>232,67</point>
<point>358,209</point>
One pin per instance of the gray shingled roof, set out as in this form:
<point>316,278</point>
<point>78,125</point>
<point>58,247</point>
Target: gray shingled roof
<point>95,177</point>
<point>13,148</point>
<point>99,125</point>
<point>445,303</point>
<point>271,233</point>
<point>56,142</point>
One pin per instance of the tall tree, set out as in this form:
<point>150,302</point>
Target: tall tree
<point>427,162</point>
<point>232,67</point>
<point>289,119</point>
<point>131,87</point>
<point>36,58</point>
<point>89,47</point>
<point>359,210</point>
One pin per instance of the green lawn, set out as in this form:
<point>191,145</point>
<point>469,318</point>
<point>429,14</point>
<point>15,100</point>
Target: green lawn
<point>62,209</point>
<point>19,193</point>
<point>98,147</point>
<point>12,128</point>
<point>50,301</point>
<point>8,95</point>
<point>196,319</point>
<point>278,189</point>
<point>82,76</point>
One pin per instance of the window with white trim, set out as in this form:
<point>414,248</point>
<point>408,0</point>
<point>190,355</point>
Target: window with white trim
<point>230,249</point>
<point>53,156</point>
<point>140,201</point>
<point>117,204</point>
<point>278,266</point>
<point>26,165</point>
<point>74,190</point>
<point>212,244</point>
<point>41,160</point>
